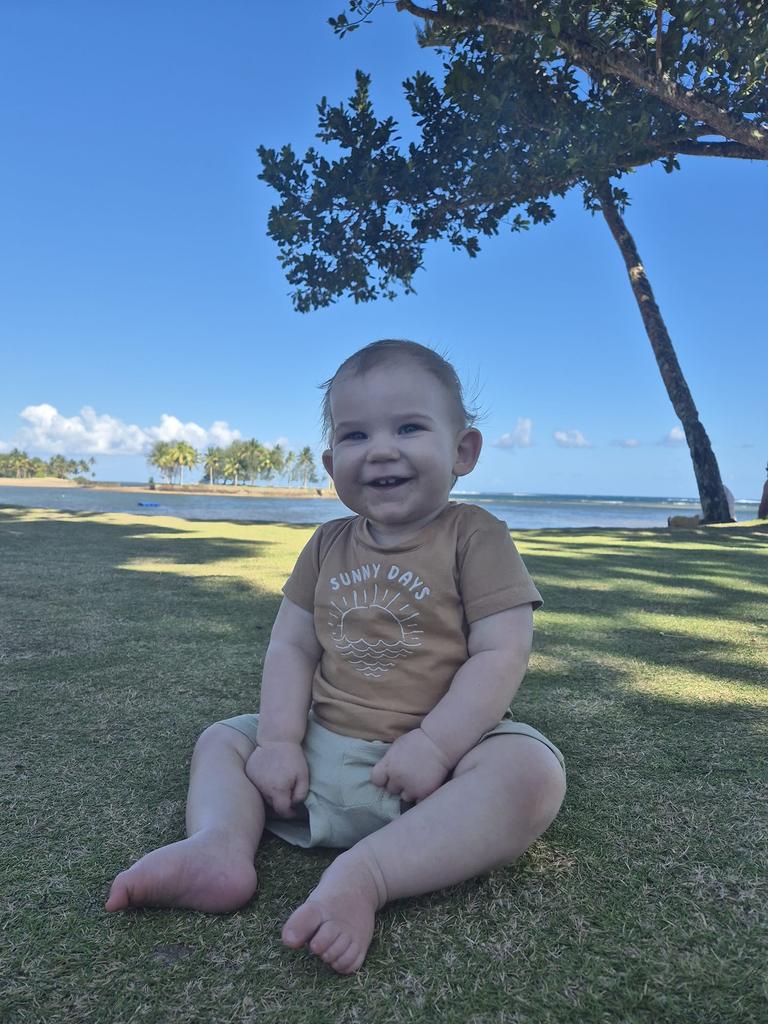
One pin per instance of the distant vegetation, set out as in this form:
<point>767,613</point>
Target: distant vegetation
<point>18,464</point>
<point>240,463</point>
<point>243,462</point>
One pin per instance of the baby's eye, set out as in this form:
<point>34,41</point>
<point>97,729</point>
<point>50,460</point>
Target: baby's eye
<point>353,435</point>
<point>409,428</point>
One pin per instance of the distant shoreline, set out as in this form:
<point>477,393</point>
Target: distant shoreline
<point>241,491</point>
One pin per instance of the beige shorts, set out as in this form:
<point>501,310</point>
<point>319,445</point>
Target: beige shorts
<point>343,805</point>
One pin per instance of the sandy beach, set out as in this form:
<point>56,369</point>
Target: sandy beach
<point>241,491</point>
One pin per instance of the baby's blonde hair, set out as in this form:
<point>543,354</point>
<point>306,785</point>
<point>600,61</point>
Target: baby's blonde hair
<point>390,350</point>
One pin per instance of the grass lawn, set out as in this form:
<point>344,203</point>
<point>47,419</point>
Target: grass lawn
<point>122,637</point>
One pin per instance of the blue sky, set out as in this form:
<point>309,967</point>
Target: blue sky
<point>140,296</point>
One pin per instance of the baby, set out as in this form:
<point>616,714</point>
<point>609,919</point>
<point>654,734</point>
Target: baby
<point>403,635</point>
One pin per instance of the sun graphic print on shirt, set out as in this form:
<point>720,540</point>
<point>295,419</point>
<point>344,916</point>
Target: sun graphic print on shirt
<point>374,627</point>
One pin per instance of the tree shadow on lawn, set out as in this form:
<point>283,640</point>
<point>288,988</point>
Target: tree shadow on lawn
<point>260,522</point>
<point>709,579</point>
<point>650,678</point>
<point>701,567</point>
<point>654,556</point>
<point>73,606</point>
<point>63,542</point>
<point>180,630</point>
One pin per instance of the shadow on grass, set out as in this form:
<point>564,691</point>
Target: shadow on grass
<point>74,608</point>
<point>613,600</point>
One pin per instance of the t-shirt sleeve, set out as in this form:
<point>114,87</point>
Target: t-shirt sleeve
<point>492,575</point>
<point>300,585</point>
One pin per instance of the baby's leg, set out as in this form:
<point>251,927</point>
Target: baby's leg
<point>503,794</point>
<point>212,870</point>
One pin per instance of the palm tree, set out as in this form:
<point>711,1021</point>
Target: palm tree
<point>212,463</point>
<point>289,467</point>
<point>184,455</point>
<point>59,467</point>
<point>235,461</point>
<point>233,467</point>
<point>253,453</point>
<point>161,456</point>
<point>18,462</point>
<point>305,466</point>
<point>276,457</point>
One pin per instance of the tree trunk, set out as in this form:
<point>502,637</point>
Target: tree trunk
<point>714,504</point>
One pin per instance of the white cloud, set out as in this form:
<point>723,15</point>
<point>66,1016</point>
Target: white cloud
<point>4,446</point>
<point>629,442</point>
<point>675,436</point>
<point>571,439</point>
<point>520,437</point>
<point>91,433</point>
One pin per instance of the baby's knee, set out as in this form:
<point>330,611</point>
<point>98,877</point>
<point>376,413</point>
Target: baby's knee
<point>551,794</point>
<point>218,738</point>
<point>535,780</point>
<point>546,781</point>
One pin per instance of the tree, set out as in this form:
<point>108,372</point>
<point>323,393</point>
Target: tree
<point>254,458</point>
<point>161,456</point>
<point>537,98</point>
<point>234,461</point>
<point>212,462</point>
<point>305,467</point>
<point>289,466</point>
<point>57,466</point>
<point>19,463</point>
<point>276,461</point>
<point>184,456</point>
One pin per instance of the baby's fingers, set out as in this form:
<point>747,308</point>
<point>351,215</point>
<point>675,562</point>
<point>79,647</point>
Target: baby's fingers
<point>387,779</point>
<point>300,787</point>
<point>281,802</point>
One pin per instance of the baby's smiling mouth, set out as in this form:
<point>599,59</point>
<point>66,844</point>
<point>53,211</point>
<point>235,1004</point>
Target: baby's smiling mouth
<point>384,482</point>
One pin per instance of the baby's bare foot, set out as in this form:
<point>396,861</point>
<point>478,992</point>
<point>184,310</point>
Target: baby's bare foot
<point>205,872</point>
<point>336,921</point>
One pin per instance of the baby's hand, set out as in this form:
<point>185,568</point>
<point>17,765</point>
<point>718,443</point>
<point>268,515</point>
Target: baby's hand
<point>412,768</point>
<point>279,771</point>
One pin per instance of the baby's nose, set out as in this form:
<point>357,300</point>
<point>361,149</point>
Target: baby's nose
<point>382,448</point>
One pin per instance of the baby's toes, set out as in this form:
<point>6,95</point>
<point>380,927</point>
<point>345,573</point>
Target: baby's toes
<point>325,937</point>
<point>302,925</point>
<point>349,961</point>
<point>119,895</point>
<point>336,950</point>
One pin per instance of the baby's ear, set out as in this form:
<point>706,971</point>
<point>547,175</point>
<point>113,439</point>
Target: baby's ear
<point>468,447</point>
<point>328,462</point>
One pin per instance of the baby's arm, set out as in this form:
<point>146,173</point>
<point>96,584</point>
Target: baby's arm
<point>277,767</point>
<point>499,646</point>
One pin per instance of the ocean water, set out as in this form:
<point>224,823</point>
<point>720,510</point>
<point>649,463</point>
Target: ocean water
<point>519,511</point>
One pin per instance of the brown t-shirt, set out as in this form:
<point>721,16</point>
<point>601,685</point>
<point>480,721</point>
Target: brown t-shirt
<point>393,622</point>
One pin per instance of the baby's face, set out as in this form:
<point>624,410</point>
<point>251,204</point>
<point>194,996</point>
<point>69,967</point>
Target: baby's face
<point>397,444</point>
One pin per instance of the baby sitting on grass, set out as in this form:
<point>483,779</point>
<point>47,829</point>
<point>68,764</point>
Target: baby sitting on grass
<point>402,637</point>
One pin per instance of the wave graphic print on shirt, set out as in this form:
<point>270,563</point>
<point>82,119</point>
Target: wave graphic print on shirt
<point>373,627</point>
